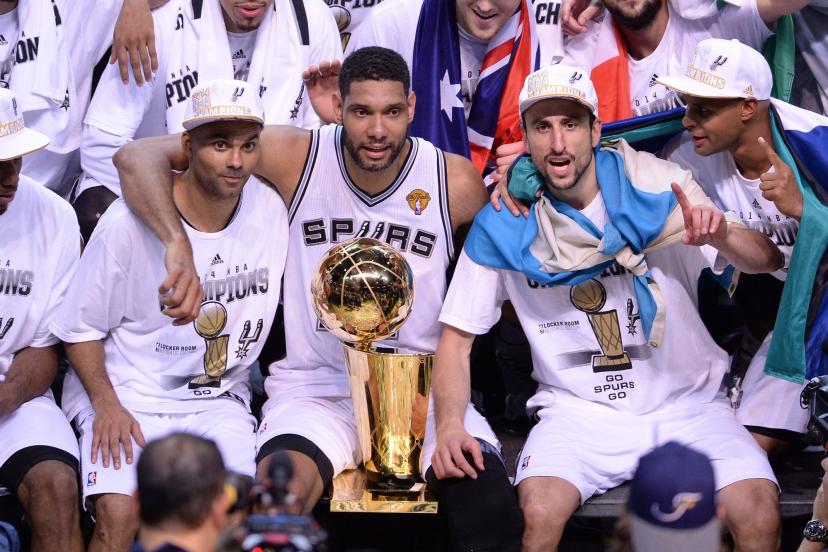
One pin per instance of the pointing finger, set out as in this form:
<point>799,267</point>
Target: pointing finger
<point>774,159</point>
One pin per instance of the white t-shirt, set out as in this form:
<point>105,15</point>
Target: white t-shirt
<point>349,14</point>
<point>472,52</point>
<point>721,180</point>
<point>9,29</point>
<point>674,51</point>
<point>241,44</point>
<point>686,369</point>
<point>151,363</point>
<point>41,246</point>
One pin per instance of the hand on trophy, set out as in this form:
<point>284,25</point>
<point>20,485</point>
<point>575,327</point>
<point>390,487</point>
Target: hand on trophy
<point>450,457</point>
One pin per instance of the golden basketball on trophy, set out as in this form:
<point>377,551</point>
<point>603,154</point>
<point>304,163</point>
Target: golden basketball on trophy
<point>363,291</point>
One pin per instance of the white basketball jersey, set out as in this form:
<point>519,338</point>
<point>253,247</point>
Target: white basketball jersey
<point>411,215</point>
<point>153,365</point>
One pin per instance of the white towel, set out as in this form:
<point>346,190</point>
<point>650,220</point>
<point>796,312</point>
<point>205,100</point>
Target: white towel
<point>276,68</point>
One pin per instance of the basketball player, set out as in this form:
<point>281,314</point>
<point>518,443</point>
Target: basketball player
<point>138,377</point>
<point>363,178</point>
<point>267,42</point>
<point>722,149</point>
<point>606,395</point>
<point>41,245</point>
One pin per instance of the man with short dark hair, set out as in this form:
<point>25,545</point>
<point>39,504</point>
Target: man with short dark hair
<point>615,232</point>
<point>135,374</point>
<point>365,177</point>
<point>180,495</point>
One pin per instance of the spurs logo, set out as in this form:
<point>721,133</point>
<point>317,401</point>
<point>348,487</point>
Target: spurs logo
<point>237,93</point>
<point>718,62</point>
<point>632,317</point>
<point>5,328</point>
<point>682,503</point>
<point>246,339</point>
<point>576,76</point>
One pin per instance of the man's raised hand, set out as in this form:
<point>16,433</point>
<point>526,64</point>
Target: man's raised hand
<point>779,185</point>
<point>703,224</point>
<point>322,82</point>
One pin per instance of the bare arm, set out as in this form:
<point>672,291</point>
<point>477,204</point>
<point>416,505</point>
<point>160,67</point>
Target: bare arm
<point>113,424</point>
<point>771,10</point>
<point>451,387</point>
<point>31,373</point>
<point>133,42</point>
<point>467,195</point>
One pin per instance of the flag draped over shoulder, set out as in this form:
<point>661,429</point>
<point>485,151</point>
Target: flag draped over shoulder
<point>801,330</point>
<point>494,118</point>
<point>558,245</point>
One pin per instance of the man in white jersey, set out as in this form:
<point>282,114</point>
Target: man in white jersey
<point>639,41</point>
<point>268,43</point>
<point>363,178</point>
<point>41,245</point>
<point>728,149</point>
<point>137,376</point>
<point>606,393</point>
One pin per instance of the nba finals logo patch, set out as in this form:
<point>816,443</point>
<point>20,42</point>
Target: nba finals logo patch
<point>201,103</point>
<point>91,479</point>
<point>418,200</point>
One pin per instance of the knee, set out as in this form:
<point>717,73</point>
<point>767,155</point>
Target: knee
<point>115,518</point>
<point>540,518</point>
<point>757,513</point>
<point>53,487</point>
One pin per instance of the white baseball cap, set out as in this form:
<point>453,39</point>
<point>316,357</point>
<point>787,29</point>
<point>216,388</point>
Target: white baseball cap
<point>223,100</point>
<point>15,139</point>
<point>724,69</point>
<point>559,81</point>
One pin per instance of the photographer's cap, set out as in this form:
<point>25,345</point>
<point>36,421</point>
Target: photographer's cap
<point>558,81</point>
<point>15,139</point>
<point>724,69</point>
<point>223,100</point>
<point>673,502</point>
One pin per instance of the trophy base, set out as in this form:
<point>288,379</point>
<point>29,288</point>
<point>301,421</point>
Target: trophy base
<point>353,491</point>
<point>204,381</point>
<point>604,363</point>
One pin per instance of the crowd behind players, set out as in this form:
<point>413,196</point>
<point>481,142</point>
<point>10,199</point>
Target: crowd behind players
<point>178,285</point>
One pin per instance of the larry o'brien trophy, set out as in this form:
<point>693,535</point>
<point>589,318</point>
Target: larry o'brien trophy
<point>363,291</point>
<point>590,297</point>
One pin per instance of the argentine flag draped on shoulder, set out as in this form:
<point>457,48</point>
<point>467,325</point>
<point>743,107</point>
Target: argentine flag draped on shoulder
<point>557,244</point>
<point>520,47</point>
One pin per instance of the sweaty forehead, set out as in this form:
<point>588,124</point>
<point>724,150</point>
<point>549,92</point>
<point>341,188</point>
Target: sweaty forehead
<point>229,130</point>
<point>376,92</point>
<point>556,107</point>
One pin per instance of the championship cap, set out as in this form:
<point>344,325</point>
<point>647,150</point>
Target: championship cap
<point>15,139</point>
<point>724,69</point>
<point>559,81</point>
<point>672,502</point>
<point>223,100</point>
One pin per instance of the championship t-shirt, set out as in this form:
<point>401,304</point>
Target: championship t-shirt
<point>41,246</point>
<point>241,46</point>
<point>721,180</point>
<point>153,365</point>
<point>349,14</point>
<point>472,52</point>
<point>9,29</point>
<point>674,51</point>
<point>587,342</point>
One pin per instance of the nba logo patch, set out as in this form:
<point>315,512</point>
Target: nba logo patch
<point>91,478</point>
<point>525,463</point>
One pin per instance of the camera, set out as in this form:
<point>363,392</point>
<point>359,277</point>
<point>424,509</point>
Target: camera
<point>262,510</point>
<point>815,398</point>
